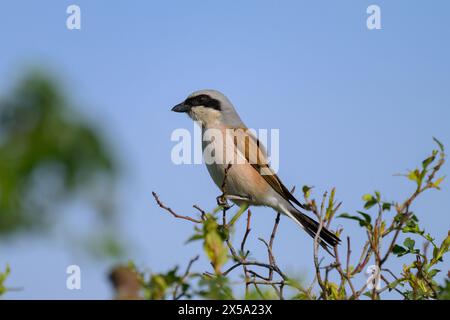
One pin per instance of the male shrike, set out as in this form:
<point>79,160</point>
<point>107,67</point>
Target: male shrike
<point>240,165</point>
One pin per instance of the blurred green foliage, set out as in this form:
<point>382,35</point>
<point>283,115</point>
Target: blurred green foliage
<point>444,291</point>
<point>213,238</point>
<point>47,154</point>
<point>3,276</point>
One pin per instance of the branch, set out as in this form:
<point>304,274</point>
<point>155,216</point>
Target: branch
<point>173,213</point>
<point>177,296</point>
<point>316,259</point>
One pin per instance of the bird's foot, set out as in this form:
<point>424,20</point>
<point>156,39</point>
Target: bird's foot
<point>222,202</point>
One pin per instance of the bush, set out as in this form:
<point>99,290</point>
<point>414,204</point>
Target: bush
<point>382,221</point>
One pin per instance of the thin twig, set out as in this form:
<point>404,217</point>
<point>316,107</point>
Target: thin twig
<point>186,274</point>
<point>247,232</point>
<point>316,259</point>
<point>202,212</point>
<point>173,213</point>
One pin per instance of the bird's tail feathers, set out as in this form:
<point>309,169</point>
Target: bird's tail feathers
<point>327,240</point>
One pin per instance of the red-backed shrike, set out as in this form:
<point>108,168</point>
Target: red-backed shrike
<point>239,157</point>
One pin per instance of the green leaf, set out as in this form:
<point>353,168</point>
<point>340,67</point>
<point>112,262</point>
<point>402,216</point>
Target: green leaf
<point>378,195</point>
<point>438,253</point>
<point>347,216</point>
<point>195,237</point>
<point>395,284</point>
<point>429,238</point>
<point>371,200</point>
<point>414,175</point>
<point>370,204</point>
<point>409,243</point>
<point>236,217</point>
<point>213,244</point>
<point>438,182</point>
<point>433,273</point>
<point>362,222</point>
<point>441,146</point>
<point>399,251</point>
<point>367,218</point>
<point>428,161</point>
<point>306,191</point>
<point>412,227</point>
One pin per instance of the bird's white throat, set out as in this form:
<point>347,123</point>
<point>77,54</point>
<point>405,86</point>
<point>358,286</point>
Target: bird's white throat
<point>206,116</point>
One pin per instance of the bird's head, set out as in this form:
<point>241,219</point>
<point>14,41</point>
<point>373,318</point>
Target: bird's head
<point>210,108</point>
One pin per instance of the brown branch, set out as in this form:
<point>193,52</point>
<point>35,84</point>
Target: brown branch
<point>177,296</point>
<point>316,258</point>
<point>345,275</point>
<point>256,264</point>
<point>364,259</point>
<point>245,254</point>
<point>202,212</point>
<point>257,275</point>
<point>247,232</point>
<point>274,230</point>
<point>271,257</point>
<point>271,242</point>
<point>173,213</point>
<point>359,293</point>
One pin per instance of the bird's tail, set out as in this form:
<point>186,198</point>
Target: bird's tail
<point>327,239</point>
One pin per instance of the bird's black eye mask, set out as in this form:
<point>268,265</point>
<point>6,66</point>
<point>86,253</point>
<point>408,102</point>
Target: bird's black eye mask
<point>203,100</point>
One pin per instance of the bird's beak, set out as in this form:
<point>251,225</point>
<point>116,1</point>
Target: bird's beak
<point>181,108</point>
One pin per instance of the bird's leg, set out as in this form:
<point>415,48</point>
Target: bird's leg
<point>222,199</point>
<point>238,198</point>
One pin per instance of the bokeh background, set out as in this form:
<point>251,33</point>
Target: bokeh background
<point>86,122</point>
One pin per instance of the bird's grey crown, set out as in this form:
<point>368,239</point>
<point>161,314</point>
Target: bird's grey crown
<point>229,115</point>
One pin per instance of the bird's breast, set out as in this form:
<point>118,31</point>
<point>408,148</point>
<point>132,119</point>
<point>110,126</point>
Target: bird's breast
<point>241,179</point>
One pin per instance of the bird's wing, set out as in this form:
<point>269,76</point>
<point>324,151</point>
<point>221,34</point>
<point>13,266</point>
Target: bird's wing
<point>254,152</point>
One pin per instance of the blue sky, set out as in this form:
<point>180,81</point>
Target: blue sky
<point>354,107</point>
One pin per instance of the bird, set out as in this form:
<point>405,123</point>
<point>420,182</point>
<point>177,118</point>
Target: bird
<point>238,163</point>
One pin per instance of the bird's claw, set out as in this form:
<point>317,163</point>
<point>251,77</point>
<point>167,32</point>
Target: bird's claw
<point>222,202</point>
